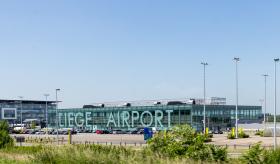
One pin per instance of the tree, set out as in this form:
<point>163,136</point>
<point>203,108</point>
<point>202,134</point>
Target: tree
<point>4,126</point>
<point>5,139</point>
<point>33,124</point>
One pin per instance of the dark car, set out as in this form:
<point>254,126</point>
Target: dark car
<point>88,131</point>
<point>218,132</point>
<point>140,131</point>
<point>50,131</point>
<point>107,132</point>
<point>133,132</point>
<point>66,132</point>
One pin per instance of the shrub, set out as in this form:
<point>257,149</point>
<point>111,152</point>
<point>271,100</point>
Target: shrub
<point>241,134</point>
<point>5,139</point>
<point>164,143</point>
<point>230,136</point>
<point>219,154</point>
<point>254,155</point>
<point>271,156</point>
<point>4,126</point>
<point>258,155</point>
<point>198,150</point>
<point>100,154</point>
<point>183,141</point>
<point>259,133</point>
<point>208,137</point>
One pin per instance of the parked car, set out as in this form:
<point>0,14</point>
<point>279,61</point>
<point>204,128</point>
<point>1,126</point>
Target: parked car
<point>50,131</point>
<point>40,132</point>
<point>60,132</point>
<point>107,132</point>
<point>133,132</point>
<point>28,131</point>
<point>140,131</point>
<point>218,132</point>
<point>157,103</point>
<point>88,131</point>
<point>99,131</point>
<point>118,132</point>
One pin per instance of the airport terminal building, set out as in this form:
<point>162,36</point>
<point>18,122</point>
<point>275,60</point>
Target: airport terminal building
<point>129,116</point>
<point>15,111</point>
<point>160,116</point>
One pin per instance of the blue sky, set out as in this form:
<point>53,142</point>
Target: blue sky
<point>99,51</point>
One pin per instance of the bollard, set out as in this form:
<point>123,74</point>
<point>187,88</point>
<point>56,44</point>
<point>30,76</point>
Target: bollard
<point>249,146</point>
<point>135,144</point>
<point>234,146</point>
<point>120,143</point>
<point>106,143</point>
<point>111,143</point>
<point>124,143</point>
<point>69,137</point>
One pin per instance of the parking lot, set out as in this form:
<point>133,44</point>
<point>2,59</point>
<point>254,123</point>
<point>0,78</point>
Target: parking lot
<point>82,138</point>
<point>137,139</point>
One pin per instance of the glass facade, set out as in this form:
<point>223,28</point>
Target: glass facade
<point>223,116</point>
<point>158,116</point>
<point>11,110</point>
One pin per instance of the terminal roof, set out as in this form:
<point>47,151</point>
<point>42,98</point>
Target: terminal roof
<point>25,101</point>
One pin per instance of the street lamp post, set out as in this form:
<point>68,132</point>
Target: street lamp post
<point>264,115</point>
<point>46,111</point>
<point>236,107</point>
<point>56,114</point>
<point>274,135</point>
<point>204,117</point>
<point>21,97</point>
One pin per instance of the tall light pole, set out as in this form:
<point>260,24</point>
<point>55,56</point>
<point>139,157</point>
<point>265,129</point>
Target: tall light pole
<point>274,135</point>
<point>204,120</point>
<point>46,111</point>
<point>236,107</point>
<point>21,97</point>
<point>264,115</point>
<point>56,114</point>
